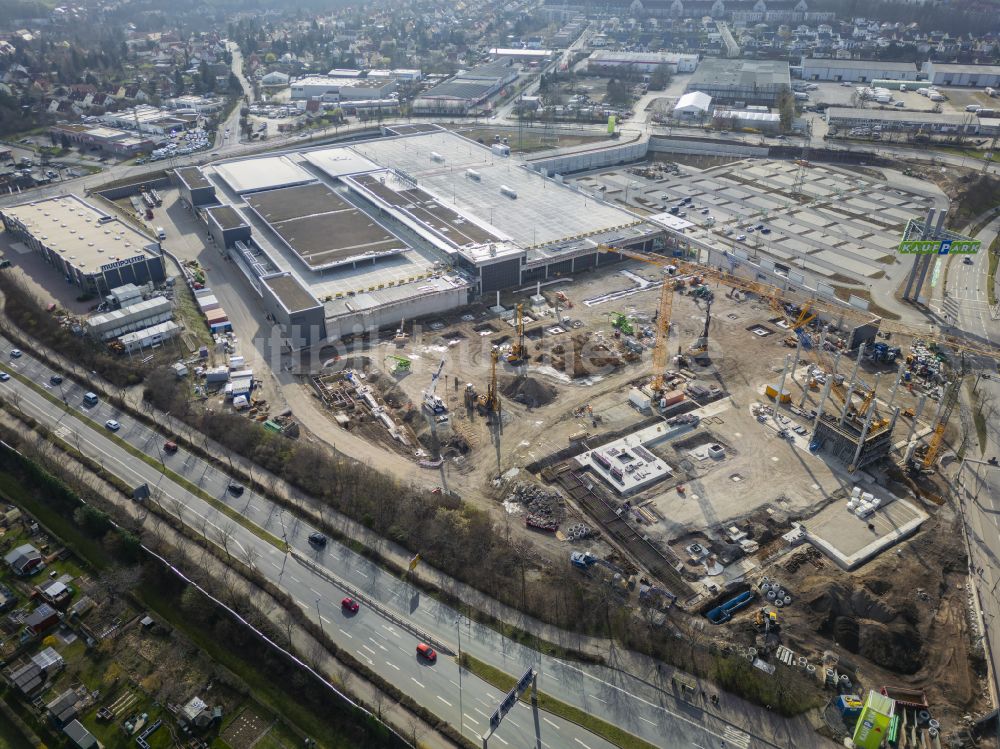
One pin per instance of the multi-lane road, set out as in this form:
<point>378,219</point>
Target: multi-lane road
<point>965,308</point>
<point>646,709</point>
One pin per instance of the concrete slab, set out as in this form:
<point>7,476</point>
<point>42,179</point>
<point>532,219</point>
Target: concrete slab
<point>851,541</point>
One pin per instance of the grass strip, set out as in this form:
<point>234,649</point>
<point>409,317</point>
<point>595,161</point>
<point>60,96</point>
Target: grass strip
<point>504,681</point>
<point>152,462</point>
<point>978,417</point>
<point>991,275</point>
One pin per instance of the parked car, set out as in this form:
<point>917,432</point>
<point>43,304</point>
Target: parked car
<point>317,539</point>
<point>4,377</point>
<point>741,238</point>
<point>55,380</point>
<point>113,425</point>
<point>235,489</point>
<point>426,652</point>
<point>350,605</point>
<point>967,260</point>
<point>169,447</point>
<point>15,353</point>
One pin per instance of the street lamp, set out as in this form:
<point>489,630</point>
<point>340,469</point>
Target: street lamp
<point>461,711</point>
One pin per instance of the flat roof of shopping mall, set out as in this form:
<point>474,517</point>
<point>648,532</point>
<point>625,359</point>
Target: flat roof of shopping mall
<point>543,212</point>
<point>292,294</point>
<point>322,228</point>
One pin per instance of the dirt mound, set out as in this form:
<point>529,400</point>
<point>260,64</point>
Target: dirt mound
<point>527,390</point>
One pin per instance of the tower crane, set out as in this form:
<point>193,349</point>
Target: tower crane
<point>956,343</point>
<point>432,402</point>
<point>937,439</point>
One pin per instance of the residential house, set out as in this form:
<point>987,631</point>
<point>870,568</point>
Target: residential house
<point>24,560</point>
<point>41,619</point>
<point>80,737</point>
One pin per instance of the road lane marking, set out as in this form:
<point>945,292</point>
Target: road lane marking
<point>295,579</point>
<point>651,722</point>
<point>469,717</point>
<point>390,630</point>
<point>392,664</point>
<point>369,649</point>
<point>580,743</point>
<point>501,740</point>
<point>513,723</point>
<point>480,712</point>
<point>370,661</point>
<point>417,683</point>
<point>325,619</point>
<point>377,644</point>
<point>550,723</point>
<point>594,696</point>
<point>443,700</point>
<point>737,737</point>
<point>349,635</point>
<point>316,591</point>
<point>454,683</point>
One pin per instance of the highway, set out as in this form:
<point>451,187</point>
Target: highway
<point>387,648</point>
<point>966,307</point>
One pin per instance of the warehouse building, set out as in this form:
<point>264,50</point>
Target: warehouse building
<point>952,74</point>
<point>108,139</point>
<point>89,248</point>
<point>326,88</point>
<point>227,226</point>
<point>610,61</point>
<point>738,119</point>
<point>466,91</point>
<point>344,239</point>
<point>857,71</point>
<point>193,186</point>
<point>844,118</point>
<point>741,82</point>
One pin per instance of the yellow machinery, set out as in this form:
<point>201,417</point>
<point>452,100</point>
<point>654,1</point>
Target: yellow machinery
<point>950,399</point>
<point>817,306</point>
<point>490,401</point>
<point>518,353</point>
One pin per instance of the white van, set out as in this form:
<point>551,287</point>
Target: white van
<point>161,233</point>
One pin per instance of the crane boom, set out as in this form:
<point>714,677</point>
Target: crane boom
<point>660,352</point>
<point>951,398</point>
<point>800,299</point>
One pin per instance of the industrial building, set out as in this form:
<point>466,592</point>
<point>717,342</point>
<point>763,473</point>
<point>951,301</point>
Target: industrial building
<point>741,82</point>
<point>193,186</point>
<point>738,119</point>
<point>467,90</point>
<point>108,139</point>
<point>326,88</point>
<point>604,61</point>
<point>148,119</point>
<point>847,118</point>
<point>857,71</point>
<point>89,248</point>
<point>953,74</point>
<point>344,238</point>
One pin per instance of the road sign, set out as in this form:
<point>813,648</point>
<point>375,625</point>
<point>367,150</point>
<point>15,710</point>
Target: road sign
<point>511,698</point>
<point>939,247</point>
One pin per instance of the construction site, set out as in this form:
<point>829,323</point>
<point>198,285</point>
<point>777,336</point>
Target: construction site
<point>765,437</point>
<point>682,383</point>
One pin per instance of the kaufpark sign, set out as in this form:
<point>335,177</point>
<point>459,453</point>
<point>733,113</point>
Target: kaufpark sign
<point>939,246</point>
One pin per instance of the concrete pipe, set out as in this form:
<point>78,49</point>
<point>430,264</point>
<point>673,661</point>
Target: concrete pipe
<point>934,723</point>
<point>810,669</point>
<point>803,661</point>
<point>778,603</point>
<point>750,657</point>
<point>765,580</point>
<point>788,600</point>
<point>752,651</point>
<point>780,593</point>
<point>765,587</point>
<point>771,595</point>
<point>932,732</point>
<point>923,716</point>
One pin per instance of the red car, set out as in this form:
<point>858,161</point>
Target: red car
<point>427,652</point>
<point>170,447</point>
<point>349,604</point>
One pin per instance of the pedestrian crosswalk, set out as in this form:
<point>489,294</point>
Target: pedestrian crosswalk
<point>735,737</point>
